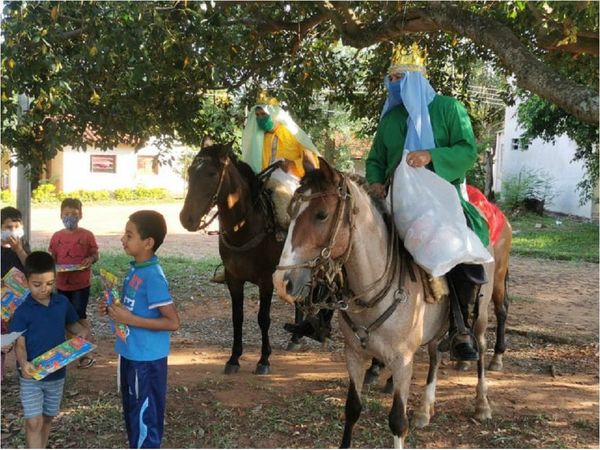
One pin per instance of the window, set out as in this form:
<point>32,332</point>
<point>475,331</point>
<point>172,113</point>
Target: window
<point>147,165</point>
<point>515,144</point>
<point>103,163</point>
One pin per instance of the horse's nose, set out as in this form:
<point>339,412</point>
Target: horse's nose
<point>288,284</point>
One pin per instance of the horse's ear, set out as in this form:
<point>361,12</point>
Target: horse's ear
<point>330,173</point>
<point>207,141</point>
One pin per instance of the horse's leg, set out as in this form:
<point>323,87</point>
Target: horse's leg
<point>264,322</point>
<point>398,420</point>
<point>373,372</point>
<point>294,343</point>
<point>236,291</point>
<point>427,410</point>
<point>482,406</point>
<point>500,299</point>
<point>356,371</point>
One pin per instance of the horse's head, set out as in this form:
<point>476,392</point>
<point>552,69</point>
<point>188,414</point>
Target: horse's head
<point>321,215</point>
<point>205,178</point>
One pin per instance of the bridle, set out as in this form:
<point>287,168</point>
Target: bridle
<point>328,287</point>
<point>213,201</point>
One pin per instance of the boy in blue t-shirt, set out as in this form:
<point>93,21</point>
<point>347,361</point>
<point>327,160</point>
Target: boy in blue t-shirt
<point>43,318</point>
<point>148,310</point>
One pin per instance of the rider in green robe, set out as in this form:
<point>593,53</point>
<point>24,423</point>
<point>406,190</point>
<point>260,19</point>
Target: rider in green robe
<point>436,132</point>
<point>455,152</point>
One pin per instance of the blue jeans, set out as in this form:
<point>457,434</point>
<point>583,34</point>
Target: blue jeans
<point>79,299</point>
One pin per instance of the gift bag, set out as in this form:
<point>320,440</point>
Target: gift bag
<point>431,222</point>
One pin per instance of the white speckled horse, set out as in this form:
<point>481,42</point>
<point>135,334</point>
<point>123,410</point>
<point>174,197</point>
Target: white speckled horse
<point>339,236</point>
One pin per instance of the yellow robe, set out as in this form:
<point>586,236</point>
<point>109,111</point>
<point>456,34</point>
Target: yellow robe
<point>288,147</point>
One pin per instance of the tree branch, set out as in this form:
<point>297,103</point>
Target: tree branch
<point>531,73</point>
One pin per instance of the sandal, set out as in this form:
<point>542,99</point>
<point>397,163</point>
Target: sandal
<point>86,362</point>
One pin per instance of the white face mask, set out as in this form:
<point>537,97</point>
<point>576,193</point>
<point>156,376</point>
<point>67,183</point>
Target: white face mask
<point>17,233</point>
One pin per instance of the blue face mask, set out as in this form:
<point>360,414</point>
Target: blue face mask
<point>395,90</point>
<point>70,222</point>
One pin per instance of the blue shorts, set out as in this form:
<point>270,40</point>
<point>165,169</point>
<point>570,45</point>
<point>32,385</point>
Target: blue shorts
<point>79,299</point>
<point>41,397</point>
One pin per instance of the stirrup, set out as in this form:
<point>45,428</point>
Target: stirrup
<point>463,351</point>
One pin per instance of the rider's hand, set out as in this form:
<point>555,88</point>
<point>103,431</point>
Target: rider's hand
<point>418,158</point>
<point>378,190</point>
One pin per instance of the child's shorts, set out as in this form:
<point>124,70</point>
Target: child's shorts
<point>41,397</point>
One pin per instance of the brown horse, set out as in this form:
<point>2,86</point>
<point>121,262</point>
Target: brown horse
<point>247,243</point>
<point>339,237</point>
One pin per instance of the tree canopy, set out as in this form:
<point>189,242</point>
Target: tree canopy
<point>100,73</point>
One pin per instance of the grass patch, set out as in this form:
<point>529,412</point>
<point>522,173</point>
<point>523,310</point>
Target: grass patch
<point>571,239</point>
<point>180,272</point>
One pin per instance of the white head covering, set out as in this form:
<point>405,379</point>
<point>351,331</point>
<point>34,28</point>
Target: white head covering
<point>253,136</point>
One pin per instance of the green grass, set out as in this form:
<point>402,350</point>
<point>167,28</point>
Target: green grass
<point>573,239</point>
<point>179,271</point>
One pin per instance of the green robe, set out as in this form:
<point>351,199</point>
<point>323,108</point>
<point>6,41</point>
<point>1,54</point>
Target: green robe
<point>455,152</point>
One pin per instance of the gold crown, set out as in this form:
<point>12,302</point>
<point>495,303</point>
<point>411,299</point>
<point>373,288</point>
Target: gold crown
<point>411,59</point>
<point>264,99</point>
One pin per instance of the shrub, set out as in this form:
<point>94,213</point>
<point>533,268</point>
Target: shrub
<point>527,184</point>
<point>45,192</point>
<point>6,197</point>
<point>124,194</point>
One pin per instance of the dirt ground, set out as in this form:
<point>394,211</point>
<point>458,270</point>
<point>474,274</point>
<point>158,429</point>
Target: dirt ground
<point>547,396</point>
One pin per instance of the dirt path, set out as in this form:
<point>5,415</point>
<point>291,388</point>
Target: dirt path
<point>547,396</point>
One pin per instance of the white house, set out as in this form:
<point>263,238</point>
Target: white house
<point>554,158</point>
<point>121,167</point>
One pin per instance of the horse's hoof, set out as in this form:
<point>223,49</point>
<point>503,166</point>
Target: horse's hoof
<point>420,420</point>
<point>496,364</point>
<point>262,369</point>
<point>495,367</point>
<point>483,413</point>
<point>370,378</point>
<point>231,369</point>
<point>293,346</point>
<point>462,366</point>
<point>389,386</point>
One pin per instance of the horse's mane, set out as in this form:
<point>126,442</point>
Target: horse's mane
<point>315,179</point>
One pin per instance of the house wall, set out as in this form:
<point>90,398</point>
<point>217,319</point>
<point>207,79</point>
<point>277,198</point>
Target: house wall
<point>76,171</point>
<point>553,158</point>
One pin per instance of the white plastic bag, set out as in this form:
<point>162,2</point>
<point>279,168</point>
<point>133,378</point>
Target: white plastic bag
<point>431,222</point>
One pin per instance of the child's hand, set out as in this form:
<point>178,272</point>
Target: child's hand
<point>87,262</point>
<point>103,307</point>
<point>119,314</point>
<point>84,333</point>
<point>27,370</point>
<point>15,243</point>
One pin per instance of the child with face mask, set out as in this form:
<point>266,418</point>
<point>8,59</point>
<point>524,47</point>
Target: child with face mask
<point>15,249</point>
<point>14,245</point>
<point>76,247</point>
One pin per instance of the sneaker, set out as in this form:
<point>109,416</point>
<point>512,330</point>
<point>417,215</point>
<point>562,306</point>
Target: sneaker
<point>86,362</point>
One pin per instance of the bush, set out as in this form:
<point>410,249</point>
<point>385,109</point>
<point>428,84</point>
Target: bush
<point>6,197</point>
<point>124,194</point>
<point>44,193</point>
<point>528,184</point>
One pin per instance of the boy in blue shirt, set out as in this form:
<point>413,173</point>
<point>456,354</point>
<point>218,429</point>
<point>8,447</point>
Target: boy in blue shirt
<point>148,310</point>
<point>43,318</point>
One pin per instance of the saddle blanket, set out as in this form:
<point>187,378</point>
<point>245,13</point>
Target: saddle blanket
<point>491,213</point>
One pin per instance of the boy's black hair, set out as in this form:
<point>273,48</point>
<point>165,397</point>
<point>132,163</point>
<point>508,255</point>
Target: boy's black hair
<point>74,203</point>
<point>39,262</point>
<point>150,224</point>
<point>11,213</point>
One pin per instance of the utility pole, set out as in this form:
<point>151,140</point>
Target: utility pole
<point>23,181</point>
